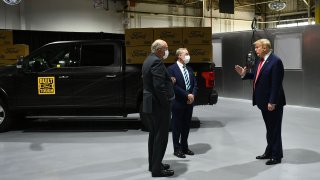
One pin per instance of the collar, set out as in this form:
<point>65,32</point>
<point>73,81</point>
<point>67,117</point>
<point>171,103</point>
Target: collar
<point>180,64</point>
<point>267,55</point>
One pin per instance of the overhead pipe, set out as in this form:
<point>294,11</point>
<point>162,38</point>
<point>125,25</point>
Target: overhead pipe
<point>256,3</point>
<point>181,16</point>
<point>307,3</point>
<point>287,14</point>
<point>285,20</point>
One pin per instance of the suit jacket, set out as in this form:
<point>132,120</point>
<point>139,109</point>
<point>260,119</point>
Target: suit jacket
<point>157,84</point>
<point>268,87</point>
<point>180,86</point>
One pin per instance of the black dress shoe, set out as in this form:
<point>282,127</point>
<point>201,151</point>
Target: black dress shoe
<point>188,152</point>
<point>163,167</point>
<point>263,156</point>
<point>179,154</point>
<point>163,173</point>
<point>273,161</point>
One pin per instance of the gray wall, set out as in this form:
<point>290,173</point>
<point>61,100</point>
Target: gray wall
<point>302,86</point>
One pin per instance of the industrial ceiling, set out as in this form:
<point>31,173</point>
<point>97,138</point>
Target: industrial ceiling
<point>294,9</point>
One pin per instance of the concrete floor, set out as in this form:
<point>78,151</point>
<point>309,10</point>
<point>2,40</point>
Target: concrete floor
<point>231,134</point>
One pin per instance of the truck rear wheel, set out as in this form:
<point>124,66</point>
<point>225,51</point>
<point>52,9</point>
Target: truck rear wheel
<point>5,120</point>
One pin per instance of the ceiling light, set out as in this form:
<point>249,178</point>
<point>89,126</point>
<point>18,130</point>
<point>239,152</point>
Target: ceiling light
<point>12,2</point>
<point>277,5</point>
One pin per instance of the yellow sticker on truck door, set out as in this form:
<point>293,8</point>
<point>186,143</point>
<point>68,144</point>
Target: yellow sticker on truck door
<point>46,85</point>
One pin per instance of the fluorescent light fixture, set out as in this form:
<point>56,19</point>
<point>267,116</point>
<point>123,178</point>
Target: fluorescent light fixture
<point>294,24</point>
<point>277,5</point>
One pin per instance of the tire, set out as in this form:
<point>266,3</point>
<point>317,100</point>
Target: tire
<point>5,117</point>
<point>213,97</point>
<point>143,119</point>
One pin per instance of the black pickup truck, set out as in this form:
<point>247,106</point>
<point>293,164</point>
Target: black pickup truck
<point>80,78</point>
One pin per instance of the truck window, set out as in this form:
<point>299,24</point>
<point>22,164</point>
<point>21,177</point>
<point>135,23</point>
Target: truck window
<point>97,55</point>
<point>53,56</point>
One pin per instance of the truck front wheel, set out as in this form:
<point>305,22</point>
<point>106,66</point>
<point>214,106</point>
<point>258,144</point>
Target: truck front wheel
<point>5,120</point>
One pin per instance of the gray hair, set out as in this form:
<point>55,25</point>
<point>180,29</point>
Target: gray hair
<point>180,51</point>
<point>157,44</point>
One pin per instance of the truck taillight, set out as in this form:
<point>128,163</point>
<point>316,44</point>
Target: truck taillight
<point>209,77</point>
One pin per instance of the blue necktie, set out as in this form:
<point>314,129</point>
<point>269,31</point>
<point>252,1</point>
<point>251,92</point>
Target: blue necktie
<point>186,78</point>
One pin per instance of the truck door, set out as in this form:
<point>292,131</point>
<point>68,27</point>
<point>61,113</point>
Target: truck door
<point>44,81</point>
<point>98,80</point>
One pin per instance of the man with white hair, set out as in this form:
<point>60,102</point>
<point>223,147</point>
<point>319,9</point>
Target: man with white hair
<point>157,96</point>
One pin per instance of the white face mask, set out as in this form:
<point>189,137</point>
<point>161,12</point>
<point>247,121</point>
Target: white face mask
<point>166,54</point>
<point>186,59</point>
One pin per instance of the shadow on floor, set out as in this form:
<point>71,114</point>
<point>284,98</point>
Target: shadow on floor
<point>238,172</point>
<point>80,126</point>
<point>300,156</point>
<point>252,169</point>
<point>200,148</point>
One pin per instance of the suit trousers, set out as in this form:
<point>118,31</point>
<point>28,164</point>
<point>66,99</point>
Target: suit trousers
<point>273,121</point>
<point>181,122</point>
<point>159,121</point>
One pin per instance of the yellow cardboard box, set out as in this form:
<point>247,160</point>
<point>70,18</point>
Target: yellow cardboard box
<point>6,37</point>
<point>172,54</point>
<point>4,62</point>
<point>200,53</point>
<point>197,35</point>
<point>139,37</point>
<point>13,51</point>
<point>137,54</point>
<point>173,36</point>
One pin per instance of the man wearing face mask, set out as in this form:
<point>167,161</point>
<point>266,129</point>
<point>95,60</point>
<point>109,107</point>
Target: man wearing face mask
<point>185,90</point>
<point>157,96</point>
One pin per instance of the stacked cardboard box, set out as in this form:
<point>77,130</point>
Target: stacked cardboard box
<point>173,36</point>
<point>6,38</point>
<point>9,52</point>
<point>138,43</point>
<point>196,39</point>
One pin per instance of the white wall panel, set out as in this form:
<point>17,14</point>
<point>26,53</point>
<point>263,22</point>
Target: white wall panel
<point>289,48</point>
<point>61,15</point>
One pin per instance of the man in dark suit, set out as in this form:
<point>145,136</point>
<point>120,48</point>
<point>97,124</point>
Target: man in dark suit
<point>268,95</point>
<point>185,90</point>
<point>157,96</point>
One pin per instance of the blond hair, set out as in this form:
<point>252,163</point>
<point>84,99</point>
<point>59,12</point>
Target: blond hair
<point>264,43</point>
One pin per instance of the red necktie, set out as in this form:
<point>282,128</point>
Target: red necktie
<point>258,72</point>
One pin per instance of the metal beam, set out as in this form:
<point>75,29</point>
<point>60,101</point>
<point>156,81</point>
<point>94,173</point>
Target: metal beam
<point>317,11</point>
<point>306,3</point>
